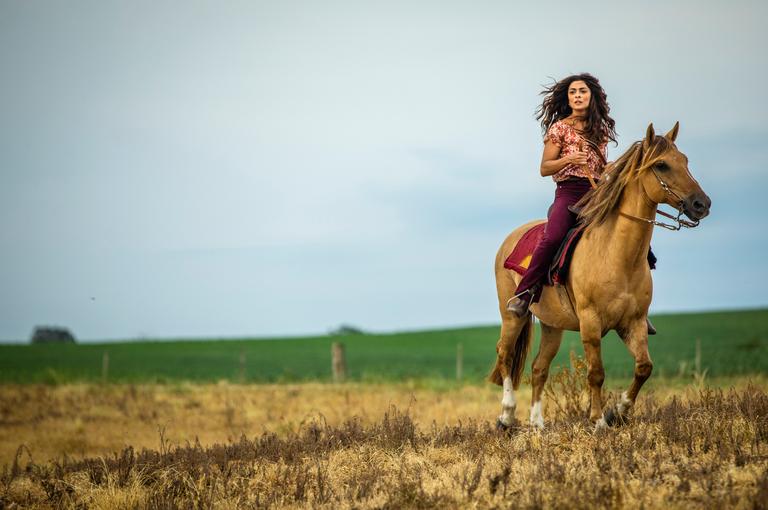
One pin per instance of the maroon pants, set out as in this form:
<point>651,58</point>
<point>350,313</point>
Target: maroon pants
<point>559,221</point>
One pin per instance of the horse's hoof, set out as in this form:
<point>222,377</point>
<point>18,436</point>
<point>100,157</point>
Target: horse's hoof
<point>503,427</point>
<point>614,419</point>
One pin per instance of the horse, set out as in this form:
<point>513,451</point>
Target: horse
<point>608,286</point>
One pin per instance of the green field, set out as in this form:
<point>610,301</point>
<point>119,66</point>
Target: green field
<point>732,343</point>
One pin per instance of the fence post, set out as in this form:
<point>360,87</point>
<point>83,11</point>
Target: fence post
<point>105,367</point>
<point>338,362</point>
<point>459,362</point>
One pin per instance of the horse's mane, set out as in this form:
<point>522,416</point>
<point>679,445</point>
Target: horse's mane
<point>598,203</point>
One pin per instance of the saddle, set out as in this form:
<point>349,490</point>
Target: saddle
<point>521,255</point>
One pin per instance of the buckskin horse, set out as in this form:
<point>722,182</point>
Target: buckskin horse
<point>608,286</point>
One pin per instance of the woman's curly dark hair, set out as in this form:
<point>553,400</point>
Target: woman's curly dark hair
<point>598,126</point>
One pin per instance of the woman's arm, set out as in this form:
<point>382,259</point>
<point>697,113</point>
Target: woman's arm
<point>551,162</point>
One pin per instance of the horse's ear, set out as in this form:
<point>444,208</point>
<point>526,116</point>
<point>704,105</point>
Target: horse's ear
<point>650,135</point>
<point>672,135</point>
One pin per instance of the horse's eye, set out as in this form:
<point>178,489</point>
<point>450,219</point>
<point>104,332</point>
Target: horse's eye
<point>661,166</point>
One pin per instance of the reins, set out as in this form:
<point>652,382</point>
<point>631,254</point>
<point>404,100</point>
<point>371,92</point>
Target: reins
<point>596,149</point>
<point>679,207</point>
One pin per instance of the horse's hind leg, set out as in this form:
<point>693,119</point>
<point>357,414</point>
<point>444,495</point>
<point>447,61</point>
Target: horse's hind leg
<point>636,340</point>
<point>502,373</point>
<point>550,344</point>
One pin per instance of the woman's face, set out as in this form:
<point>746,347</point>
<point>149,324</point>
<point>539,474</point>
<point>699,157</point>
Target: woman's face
<point>578,96</point>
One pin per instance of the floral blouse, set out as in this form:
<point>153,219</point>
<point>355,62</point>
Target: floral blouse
<point>569,140</point>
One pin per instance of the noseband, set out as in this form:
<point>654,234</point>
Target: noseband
<point>680,221</point>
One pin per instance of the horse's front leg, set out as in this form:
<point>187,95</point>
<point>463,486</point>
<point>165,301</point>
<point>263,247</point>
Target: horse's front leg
<point>591,337</point>
<point>636,339</point>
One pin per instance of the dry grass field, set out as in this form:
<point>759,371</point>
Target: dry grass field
<point>410,445</point>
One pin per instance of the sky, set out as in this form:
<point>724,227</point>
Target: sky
<point>219,169</point>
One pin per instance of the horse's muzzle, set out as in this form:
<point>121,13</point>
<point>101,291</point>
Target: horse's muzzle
<point>696,205</point>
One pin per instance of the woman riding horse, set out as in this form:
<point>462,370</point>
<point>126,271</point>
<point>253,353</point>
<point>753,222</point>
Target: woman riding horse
<point>575,117</point>
<point>574,111</point>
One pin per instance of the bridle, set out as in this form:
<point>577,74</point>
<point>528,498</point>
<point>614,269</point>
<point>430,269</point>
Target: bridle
<point>680,221</point>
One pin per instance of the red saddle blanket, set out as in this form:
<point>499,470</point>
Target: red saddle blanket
<point>520,258</point>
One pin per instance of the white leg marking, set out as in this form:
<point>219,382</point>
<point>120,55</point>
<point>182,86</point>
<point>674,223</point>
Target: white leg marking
<point>623,405</point>
<point>601,424</point>
<point>508,403</point>
<point>537,419</point>
<point>508,400</point>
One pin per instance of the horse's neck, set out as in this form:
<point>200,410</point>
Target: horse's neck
<point>626,241</point>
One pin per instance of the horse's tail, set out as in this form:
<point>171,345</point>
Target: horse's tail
<point>514,360</point>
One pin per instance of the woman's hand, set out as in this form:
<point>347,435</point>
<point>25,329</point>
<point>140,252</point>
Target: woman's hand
<point>576,158</point>
<point>551,162</point>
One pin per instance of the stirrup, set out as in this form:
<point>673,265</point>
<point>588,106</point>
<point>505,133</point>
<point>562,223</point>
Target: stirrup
<point>520,312</point>
<point>529,291</point>
<point>518,307</point>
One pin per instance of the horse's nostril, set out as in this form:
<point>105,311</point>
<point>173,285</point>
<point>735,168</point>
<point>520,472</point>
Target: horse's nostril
<point>699,206</point>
